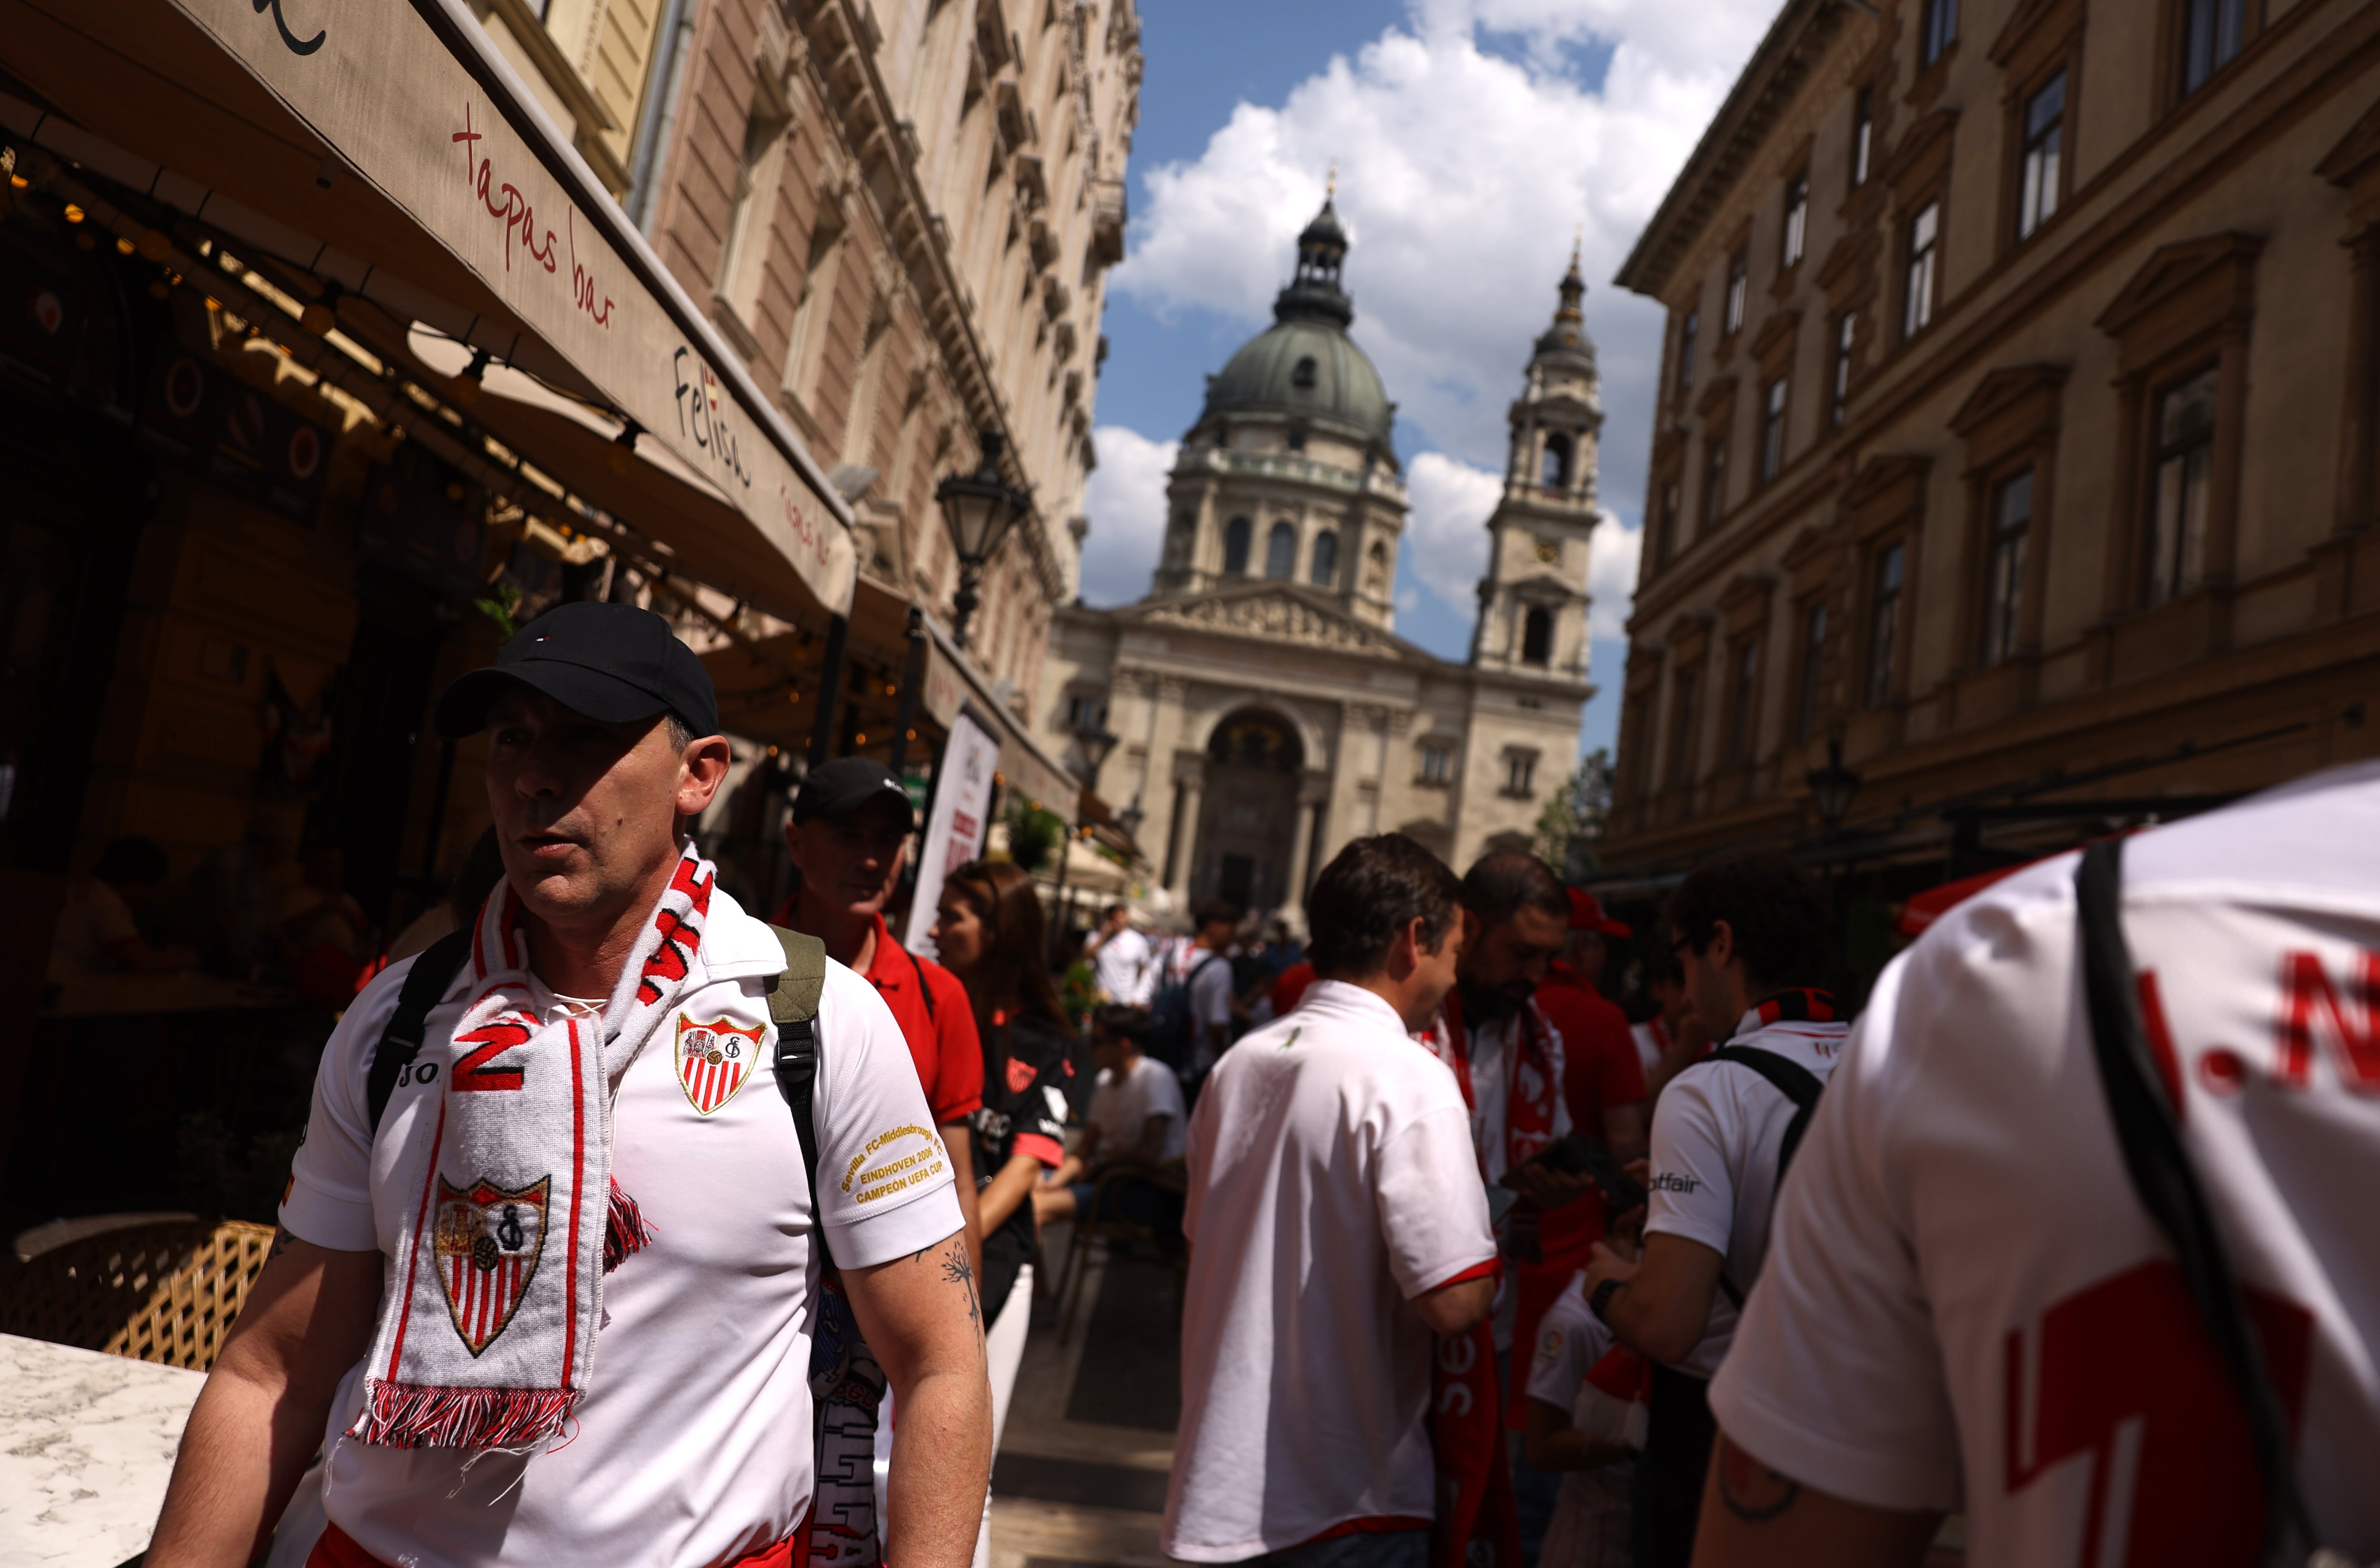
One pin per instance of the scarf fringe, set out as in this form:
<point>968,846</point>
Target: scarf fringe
<point>424,1416</point>
<point>625,1231</point>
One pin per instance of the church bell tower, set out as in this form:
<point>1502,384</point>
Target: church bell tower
<point>1533,601</point>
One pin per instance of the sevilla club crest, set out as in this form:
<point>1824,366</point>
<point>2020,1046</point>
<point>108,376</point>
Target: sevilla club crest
<point>488,1245</point>
<point>714,1060</point>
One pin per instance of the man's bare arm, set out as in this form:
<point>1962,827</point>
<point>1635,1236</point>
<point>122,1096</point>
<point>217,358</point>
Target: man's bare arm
<point>923,1319</point>
<point>1757,1517</point>
<point>1667,1305</point>
<point>959,1144</point>
<point>260,1419</point>
<point>1455,1308</point>
<point>1549,1442</point>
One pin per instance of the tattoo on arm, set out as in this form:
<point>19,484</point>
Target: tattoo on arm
<point>281,1240</point>
<point>959,1271</point>
<point>1751,1491</point>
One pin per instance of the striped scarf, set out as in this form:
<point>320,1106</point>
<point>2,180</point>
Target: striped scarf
<point>488,1339</point>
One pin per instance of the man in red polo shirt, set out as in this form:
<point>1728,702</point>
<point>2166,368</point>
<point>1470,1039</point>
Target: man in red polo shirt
<point>1603,1072</point>
<point>848,835</point>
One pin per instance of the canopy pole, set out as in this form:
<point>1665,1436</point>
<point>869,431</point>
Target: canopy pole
<point>830,690</point>
<point>913,675</point>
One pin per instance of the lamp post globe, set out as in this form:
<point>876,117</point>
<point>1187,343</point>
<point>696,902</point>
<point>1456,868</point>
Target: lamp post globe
<point>1096,741</point>
<point>979,509</point>
<point>1832,787</point>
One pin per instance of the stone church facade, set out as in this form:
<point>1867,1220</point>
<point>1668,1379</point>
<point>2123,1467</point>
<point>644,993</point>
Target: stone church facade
<point>1266,710</point>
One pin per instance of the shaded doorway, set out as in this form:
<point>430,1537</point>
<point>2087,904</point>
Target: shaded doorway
<point>1247,819</point>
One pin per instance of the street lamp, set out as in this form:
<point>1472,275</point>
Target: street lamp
<point>1832,787</point>
<point>1130,819</point>
<point>1096,741</point>
<point>979,509</point>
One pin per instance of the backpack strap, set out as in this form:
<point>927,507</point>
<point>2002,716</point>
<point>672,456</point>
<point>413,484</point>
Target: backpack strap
<point>400,1042</point>
<point>924,989</point>
<point>793,1007</point>
<point>1797,1084</point>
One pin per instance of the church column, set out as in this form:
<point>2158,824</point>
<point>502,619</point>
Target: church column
<point>1182,844</point>
<point>1313,795</point>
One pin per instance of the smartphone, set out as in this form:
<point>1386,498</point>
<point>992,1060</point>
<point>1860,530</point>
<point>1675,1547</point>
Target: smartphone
<point>1579,1155</point>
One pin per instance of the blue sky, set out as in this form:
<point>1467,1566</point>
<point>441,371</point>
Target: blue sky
<point>1473,138</point>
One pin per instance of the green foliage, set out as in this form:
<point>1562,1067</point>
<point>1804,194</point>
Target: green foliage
<point>503,606</point>
<point>1570,829</point>
<point>1033,836</point>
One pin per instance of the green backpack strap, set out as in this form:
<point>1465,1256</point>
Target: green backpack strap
<point>793,1007</point>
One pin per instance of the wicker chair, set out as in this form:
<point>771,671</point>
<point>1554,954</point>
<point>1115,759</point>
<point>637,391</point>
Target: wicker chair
<point>166,1293</point>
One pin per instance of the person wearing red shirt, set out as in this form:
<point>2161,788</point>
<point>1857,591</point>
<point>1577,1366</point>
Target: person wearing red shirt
<point>1289,989</point>
<point>848,836</point>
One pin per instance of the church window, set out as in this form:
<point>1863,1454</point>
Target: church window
<point>1298,441</point>
<point>1085,710</point>
<point>1280,552</point>
<point>1538,636</point>
<point>1376,575</point>
<point>1520,772</point>
<point>1436,763</point>
<point>1325,570</point>
<point>1554,472</point>
<point>1236,536</point>
<point>1304,375</point>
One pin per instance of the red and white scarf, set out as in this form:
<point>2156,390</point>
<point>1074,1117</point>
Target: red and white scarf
<point>488,1339</point>
<point>1534,1087</point>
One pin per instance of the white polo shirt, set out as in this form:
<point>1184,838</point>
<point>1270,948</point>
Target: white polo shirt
<point>1965,1304</point>
<point>1331,1181</point>
<point>1121,1111</point>
<point>1122,967</point>
<point>1716,1130</point>
<point>692,1446</point>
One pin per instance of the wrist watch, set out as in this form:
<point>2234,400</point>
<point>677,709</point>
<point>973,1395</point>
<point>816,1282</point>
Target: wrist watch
<point>1600,1302</point>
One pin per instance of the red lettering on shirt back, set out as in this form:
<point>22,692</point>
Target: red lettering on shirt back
<point>2308,999</point>
<point>2126,1377</point>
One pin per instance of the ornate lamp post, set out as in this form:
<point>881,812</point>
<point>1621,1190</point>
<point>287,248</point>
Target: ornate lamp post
<point>979,509</point>
<point>1096,741</point>
<point>1832,787</point>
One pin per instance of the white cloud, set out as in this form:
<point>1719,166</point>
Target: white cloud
<point>1125,502</point>
<point>1463,164</point>
<point>1611,576</point>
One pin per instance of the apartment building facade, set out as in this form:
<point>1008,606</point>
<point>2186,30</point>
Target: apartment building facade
<point>2014,454</point>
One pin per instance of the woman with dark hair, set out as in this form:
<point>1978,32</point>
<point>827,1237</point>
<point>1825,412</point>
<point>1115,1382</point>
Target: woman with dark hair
<point>990,933</point>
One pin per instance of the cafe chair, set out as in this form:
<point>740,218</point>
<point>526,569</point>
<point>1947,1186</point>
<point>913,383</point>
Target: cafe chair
<point>1111,1232</point>
<point>165,1291</point>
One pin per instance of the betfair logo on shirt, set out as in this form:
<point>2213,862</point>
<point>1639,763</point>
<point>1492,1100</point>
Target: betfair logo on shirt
<point>1670,1181</point>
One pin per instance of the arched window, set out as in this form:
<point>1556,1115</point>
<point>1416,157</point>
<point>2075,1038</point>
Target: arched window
<point>1554,472</point>
<point>1303,374</point>
<point>1236,534</point>
<point>1376,574</point>
<point>1280,552</point>
<point>1326,559</point>
<point>1538,636</point>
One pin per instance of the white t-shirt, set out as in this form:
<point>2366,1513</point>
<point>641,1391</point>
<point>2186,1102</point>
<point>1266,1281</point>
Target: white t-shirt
<point>1331,1181</point>
<point>1123,969</point>
<point>1966,1305</point>
<point>1211,1001</point>
<point>1651,1041</point>
<point>93,919</point>
<point>1716,1131</point>
<point>1589,1527</point>
<point>692,1446</point>
<point>1121,1111</point>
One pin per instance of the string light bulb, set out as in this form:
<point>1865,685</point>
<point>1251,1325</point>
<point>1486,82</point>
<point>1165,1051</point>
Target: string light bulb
<point>122,247</point>
<point>74,214</point>
<point>466,385</point>
<point>320,316</point>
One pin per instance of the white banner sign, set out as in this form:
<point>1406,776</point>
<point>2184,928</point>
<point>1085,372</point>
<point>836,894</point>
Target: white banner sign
<point>375,82</point>
<point>960,822</point>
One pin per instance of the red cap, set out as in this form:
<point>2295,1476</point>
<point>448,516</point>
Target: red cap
<point>1586,915</point>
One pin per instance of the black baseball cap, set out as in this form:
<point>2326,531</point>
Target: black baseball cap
<point>834,790</point>
<point>613,663</point>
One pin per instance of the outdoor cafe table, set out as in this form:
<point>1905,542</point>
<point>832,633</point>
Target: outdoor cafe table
<point>87,1441</point>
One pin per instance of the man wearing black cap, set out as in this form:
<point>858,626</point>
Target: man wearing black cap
<point>554,1301</point>
<point>848,837</point>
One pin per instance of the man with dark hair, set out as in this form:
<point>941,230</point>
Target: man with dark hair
<point>96,929</point>
<point>1339,1223</point>
<point>1121,959</point>
<point>1133,1128</point>
<point>1749,932</point>
<point>1210,982</point>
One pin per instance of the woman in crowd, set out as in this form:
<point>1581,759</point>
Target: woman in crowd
<point>990,933</point>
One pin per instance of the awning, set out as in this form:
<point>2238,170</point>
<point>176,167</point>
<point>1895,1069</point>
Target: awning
<point>387,149</point>
<point>1031,772</point>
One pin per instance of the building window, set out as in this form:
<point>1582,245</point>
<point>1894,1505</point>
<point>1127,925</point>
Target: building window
<point>1436,763</point>
<point>1814,653</point>
<point>1280,552</point>
<point>1296,438</point>
<point>1739,282</point>
<point>1553,471</point>
<point>1839,375</point>
<point>1863,135</point>
<point>1303,374</point>
<point>1772,430</point>
<point>2004,564</point>
<point>1687,328</point>
<point>2211,34</point>
<point>1744,702</point>
<point>1683,718</point>
<point>1941,29</point>
<point>1538,636</point>
<point>1087,710</point>
<point>1797,220</point>
<point>1325,570</point>
<point>1715,482</point>
<point>1665,527</point>
<point>1237,535</point>
<point>1883,624</point>
<point>1520,772</point>
<point>2045,145</point>
<point>2180,485</point>
<point>1925,248</point>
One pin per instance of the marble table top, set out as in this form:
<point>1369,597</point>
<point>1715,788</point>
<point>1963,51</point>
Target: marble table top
<point>86,1444</point>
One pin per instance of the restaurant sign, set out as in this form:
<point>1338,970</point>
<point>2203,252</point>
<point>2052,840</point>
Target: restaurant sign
<point>376,82</point>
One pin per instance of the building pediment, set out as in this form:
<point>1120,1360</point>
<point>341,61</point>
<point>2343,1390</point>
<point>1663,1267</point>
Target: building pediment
<point>1275,613</point>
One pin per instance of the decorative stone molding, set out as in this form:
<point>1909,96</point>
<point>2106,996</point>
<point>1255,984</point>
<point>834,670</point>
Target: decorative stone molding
<point>1276,617</point>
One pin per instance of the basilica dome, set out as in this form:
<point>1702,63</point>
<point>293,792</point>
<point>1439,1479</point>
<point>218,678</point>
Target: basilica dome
<point>1304,366</point>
